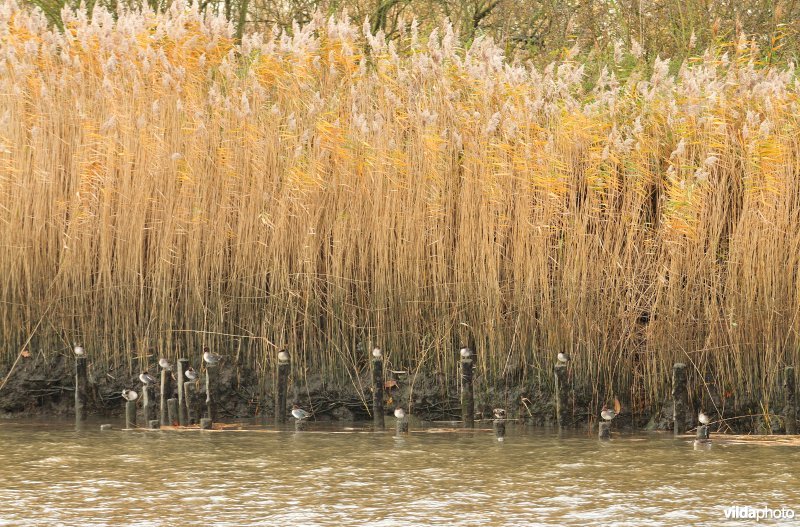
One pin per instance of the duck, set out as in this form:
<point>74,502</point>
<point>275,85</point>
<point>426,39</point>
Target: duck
<point>146,378</point>
<point>211,358</point>
<point>165,364</point>
<point>191,374</point>
<point>703,417</point>
<point>465,353</point>
<point>377,353</point>
<point>563,358</point>
<point>129,395</point>
<point>607,413</point>
<point>499,413</point>
<point>283,356</point>
<point>299,414</point>
<point>399,413</point>
<point>78,350</point>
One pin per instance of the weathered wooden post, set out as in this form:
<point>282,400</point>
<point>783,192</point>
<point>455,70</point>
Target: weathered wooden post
<point>166,391</point>
<point>500,429</point>
<point>206,424</point>
<point>172,412</point>
<point>680,398</point>
<point>80,385</point>
<point>561,394</point>
<point>604,430</point>
<point>702,433</point>
<point>467,394</point>
<point>190,396</point>
<point>401,423</point>
<point>377,389</point>
<point>153,424</point>
<point>148,403</point>
<point>790,415</point>
<point>130,414</point>
<point>211,409</point>
<point>283,383</point>
<point>182,363</point>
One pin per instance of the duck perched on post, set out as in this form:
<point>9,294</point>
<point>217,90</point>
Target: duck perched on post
<point>129,395</point>
<point>300,417</point>
<point>299,414</point>
<point>563,357</point>
<point>165,364</point>
<point>607,413</point>
<point>211,359</point>
<point>191,374</point>
<point>146,378</point>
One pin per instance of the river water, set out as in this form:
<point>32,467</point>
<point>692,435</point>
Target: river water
<point>51,474</point>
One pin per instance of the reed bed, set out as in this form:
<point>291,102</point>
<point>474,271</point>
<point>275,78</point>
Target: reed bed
<point>164,188</point>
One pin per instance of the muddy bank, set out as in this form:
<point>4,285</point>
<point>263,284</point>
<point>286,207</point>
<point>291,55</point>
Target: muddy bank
<point>42,385</point>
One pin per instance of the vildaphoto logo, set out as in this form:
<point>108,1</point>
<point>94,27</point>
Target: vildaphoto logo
<point>746,512</point>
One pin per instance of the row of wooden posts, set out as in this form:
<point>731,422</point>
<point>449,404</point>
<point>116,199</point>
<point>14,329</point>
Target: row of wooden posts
<point>184,409</point>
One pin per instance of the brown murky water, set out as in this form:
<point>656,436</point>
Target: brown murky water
<point>51,474</point>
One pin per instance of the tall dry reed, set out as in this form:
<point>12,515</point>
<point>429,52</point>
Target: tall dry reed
<point>162,188</point>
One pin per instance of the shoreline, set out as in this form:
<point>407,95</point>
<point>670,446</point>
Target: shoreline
<point>40,388</point>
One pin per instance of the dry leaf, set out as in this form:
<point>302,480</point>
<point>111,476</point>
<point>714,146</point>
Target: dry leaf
<point>25,353</point>
<point>390,384</point>
<point>617,406</point>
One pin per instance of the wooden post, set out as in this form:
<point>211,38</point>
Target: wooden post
<point>377,394</point>
<point>211,410</point>
<point>106,427</point>
<point>299,424</point>
<point>206,423</point>
<point>561,394</point>
<point>190,396</point>
<point>790,416</point>
<point>153,424</point>
<point>467,394</point>
<point>172,412</point>
<point>702,433</point>
<point>148,403</point>
<point>604,430</point>
<point>401,426</point>
<point>182,363</point>
<point>166,391</point>
<point>130,414</point>
<point>80,388</point>
<point>283,383</point>
<point>680,398</point>
<point>500,429</point>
